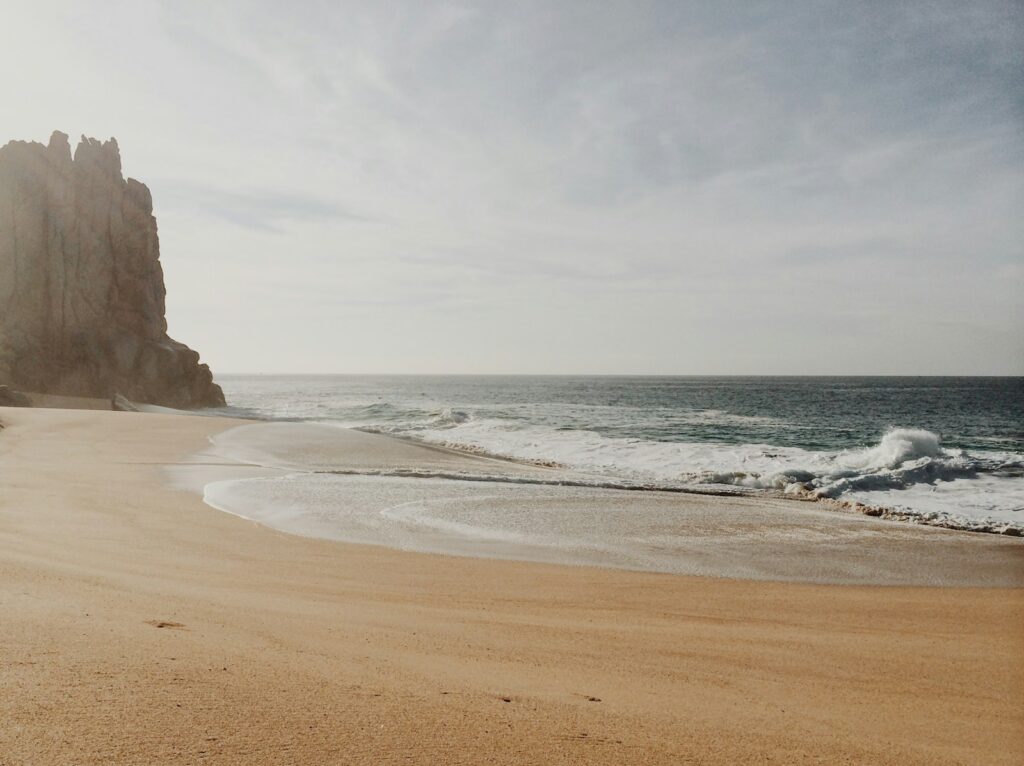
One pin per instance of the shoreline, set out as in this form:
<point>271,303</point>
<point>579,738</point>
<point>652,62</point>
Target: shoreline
<point>403,494</point>
<point>839,503</point>
<point>207,637</point>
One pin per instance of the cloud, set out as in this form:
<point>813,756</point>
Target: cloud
<point>263,210</point>
<point>663,174</point>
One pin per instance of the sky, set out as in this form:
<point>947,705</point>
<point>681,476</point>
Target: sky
<point>559,187</point>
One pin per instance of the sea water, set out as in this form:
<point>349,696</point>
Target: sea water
<point>946,451</point>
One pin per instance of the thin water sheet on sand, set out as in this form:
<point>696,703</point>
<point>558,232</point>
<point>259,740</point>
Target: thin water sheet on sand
<point>334,483</point>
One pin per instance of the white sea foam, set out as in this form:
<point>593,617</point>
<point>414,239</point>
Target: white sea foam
<point>683,435</point>
<point>654,531</point>
<point>346,485</point>
<point>907,469</point>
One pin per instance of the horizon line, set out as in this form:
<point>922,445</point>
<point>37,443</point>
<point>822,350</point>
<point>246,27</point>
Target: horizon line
<point>615,375</point>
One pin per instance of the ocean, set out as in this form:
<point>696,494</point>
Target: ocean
<point>941,451</point>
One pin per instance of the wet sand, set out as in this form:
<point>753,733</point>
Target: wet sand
<point>339,484</point>
<point>142,626</point>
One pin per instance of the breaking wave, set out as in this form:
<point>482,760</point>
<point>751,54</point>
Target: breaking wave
<point>902,458</point>
<point>907,472</point>
<point>830,440</point>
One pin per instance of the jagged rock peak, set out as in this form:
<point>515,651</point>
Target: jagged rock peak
<point>81,286</point>
<point>59,146</point>
<point>104,155</point>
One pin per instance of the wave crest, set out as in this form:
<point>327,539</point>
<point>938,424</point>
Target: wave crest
<point>897,446</point>
<point>453,417</point>
<point>910,461</point>
<point>902,458</point>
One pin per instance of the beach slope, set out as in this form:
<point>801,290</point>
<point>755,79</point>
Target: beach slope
<point>141,626</point>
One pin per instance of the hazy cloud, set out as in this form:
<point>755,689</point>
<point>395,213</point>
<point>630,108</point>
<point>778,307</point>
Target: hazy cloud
<point>262,210</point>
<point>560,186</point>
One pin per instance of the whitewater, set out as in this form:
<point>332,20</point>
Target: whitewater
<point>854,444</point>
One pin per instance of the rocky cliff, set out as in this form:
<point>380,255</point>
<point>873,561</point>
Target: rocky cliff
<point>81,287</point>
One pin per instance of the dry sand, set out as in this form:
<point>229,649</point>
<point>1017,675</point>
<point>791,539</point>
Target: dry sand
<point>138,625</point>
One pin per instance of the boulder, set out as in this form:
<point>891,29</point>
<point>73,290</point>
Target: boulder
<point>9,398</point>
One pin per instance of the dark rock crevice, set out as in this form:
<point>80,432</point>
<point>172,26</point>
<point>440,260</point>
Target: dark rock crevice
<point>82,295</point>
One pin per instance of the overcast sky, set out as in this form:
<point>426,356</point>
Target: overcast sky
<point>560,187</point>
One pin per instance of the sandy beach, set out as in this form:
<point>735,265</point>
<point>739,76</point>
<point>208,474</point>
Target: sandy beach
<point>141,626</point>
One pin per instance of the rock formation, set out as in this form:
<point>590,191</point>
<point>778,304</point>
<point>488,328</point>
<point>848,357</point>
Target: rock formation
<point>9,398</point>
<point>81,287</point>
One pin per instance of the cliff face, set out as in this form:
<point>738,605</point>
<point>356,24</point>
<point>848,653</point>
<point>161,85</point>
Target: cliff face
<point>81,288</point>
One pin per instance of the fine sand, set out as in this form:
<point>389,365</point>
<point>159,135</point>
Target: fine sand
<point>138,625</point>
